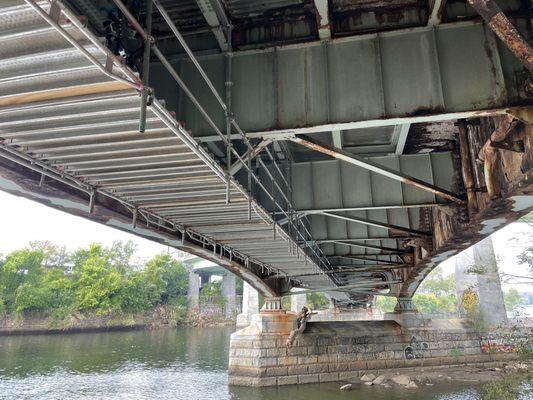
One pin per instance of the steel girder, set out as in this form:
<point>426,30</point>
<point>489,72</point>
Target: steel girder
<point>414,75</point>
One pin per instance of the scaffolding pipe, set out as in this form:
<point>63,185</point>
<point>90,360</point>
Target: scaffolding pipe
<point>229,84</point>
<point>146,66</point>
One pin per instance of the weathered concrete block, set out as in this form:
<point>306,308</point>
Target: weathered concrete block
<point>308,378</point>
<point>348,375</point>
<point>247,371</point>
<point>341,366</point>
<point>349,357</point>
<point>288,360</point>
<point>243,381</point>
<point>297,351</point>
<point>307,359</point>
<point>329,377</point>
<point>297,369</point>
<point>268,361</point>
<point>317,368</point>
<point>263,382</point>
<point>287,380</point>
<point>358,366</point>
<point>327,358</point>
<point>276,371</point>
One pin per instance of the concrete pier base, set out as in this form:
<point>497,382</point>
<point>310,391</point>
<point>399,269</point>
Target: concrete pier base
<point>342,351</point>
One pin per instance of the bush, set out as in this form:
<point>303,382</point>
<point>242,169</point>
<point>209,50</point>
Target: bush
<point>506,388</point>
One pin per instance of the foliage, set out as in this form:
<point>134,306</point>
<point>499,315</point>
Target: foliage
<point>168,279</point>
<point>506,388</point>
<point>473,313</point>
<point>45,278</point>
<point>97,285</point>
<point>435,295</point>
<point>212,292</point>
<point>438,284</point>
<point>511,299</point>
<point>386,303</point>
<point>20,267</point>
<point>316,300</point>
<point>526,258</point>
<point>430,303</point>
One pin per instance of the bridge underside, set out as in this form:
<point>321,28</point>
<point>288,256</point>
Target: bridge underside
<point>352,165</point>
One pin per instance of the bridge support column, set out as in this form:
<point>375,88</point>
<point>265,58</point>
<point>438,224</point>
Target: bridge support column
<point>489,285</point>
<point>406,314</point>
<point>193,292</point>
<point>228,291</point>
<point>405,305</point>
<point>298,301</point>
<point>250,305</point>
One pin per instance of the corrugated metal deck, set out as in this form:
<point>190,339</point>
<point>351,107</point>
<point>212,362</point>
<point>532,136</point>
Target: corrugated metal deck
<point>67,115</point>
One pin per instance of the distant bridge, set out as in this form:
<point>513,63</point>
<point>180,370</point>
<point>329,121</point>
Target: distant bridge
<point>340,158</point>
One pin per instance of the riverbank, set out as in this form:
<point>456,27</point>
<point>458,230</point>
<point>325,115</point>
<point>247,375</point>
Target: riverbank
<point>158,318</point>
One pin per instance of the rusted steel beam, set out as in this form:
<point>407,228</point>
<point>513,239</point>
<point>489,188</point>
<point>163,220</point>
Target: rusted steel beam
<point>468,173</point>
<point>364,259</point>
<point>500,24</point>
<point>376,268</point>
<point>490,154</point>
<point>378,224</point>
<point>382,249</point>
<point>375,167</point>
<point>437,10</point>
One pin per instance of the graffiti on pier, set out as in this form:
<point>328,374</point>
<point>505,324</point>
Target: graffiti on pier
<point>416,349</point>
<point>493,345</point>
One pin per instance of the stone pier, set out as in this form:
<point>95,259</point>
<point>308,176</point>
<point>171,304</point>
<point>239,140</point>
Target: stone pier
<point>344,351</point>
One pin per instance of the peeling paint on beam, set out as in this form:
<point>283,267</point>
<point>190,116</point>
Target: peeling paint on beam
<point>500,24</point>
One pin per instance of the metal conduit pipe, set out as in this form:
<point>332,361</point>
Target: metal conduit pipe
<point>146,66</point>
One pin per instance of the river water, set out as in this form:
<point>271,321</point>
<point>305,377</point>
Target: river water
<point>186,364</point>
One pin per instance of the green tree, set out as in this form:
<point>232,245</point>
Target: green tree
<point>133,295</point>
<point>316,300</point>
<point>438,284</point>
<point>167,279</point>
<point>97,285</point>
<point>53,255</point>
<point>212,291</point>
<point>20,267</point>
<point>386,303</point>
<point>511,299</point>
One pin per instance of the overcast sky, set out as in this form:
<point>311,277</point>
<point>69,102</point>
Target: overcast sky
<point>22,221</point>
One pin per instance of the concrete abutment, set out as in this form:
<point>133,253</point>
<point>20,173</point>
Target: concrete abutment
<point>343,351</point>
